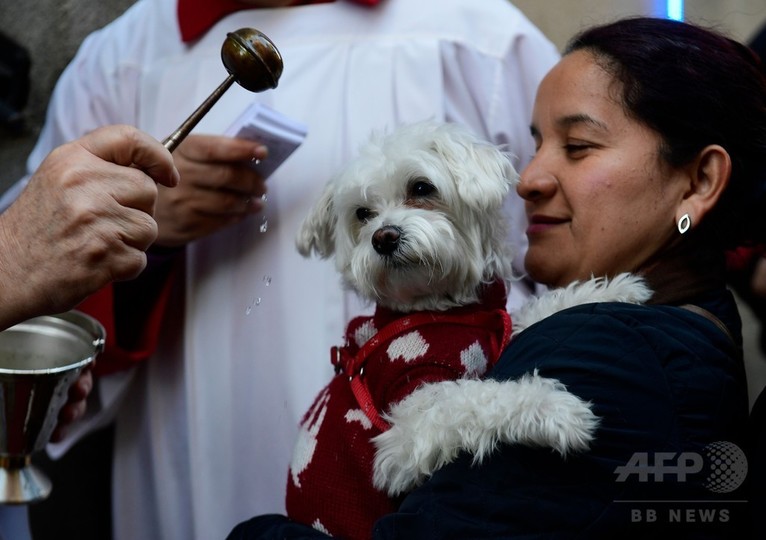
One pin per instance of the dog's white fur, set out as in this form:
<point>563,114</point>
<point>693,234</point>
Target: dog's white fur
<point>436,422</point>
<point>443,188</point>
<point>622,288</point>
<point>453,238</point>
<point>431,426</point>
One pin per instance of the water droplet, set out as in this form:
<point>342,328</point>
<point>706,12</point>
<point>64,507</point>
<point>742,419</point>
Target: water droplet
<point>253,302</point>
<point>267,280</point>
<point>264,197</point>
<point>264,225</point>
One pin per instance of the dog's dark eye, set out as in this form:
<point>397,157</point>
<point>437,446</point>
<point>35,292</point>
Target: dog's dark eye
<point>363,214</point>
<point>421,188</point>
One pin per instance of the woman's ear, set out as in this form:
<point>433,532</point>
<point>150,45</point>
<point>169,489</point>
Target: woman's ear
<point>709,175</point>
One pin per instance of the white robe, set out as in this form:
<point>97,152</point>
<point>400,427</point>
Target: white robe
<point>206,428</point>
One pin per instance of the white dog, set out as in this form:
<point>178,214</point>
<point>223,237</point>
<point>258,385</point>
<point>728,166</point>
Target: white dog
<point>415,224</point>
<point>415,221</point>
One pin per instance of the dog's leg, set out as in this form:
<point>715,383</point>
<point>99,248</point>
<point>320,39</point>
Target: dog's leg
<point>431,426</point>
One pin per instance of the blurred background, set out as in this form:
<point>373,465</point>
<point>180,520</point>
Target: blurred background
<point>39,37</point>
<point>49,32</point>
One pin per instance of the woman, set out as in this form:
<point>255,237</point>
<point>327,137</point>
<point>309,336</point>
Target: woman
<point>651,156</point>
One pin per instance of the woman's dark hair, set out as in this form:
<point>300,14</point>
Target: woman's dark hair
<point>694,87</point>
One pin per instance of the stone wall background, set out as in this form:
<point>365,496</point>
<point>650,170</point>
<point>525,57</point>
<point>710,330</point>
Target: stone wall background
<point>560,19</point>
<point>51,31</point>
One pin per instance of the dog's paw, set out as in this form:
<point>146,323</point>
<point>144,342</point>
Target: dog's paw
<point>415,445</point>
<point>550,416</point>
<point>395,470</point>
<point>625,287</point>
<point>438,421</point>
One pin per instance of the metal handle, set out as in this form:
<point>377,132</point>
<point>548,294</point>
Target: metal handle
<point>177,137</point>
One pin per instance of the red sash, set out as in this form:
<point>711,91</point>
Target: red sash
<point>195,17</point>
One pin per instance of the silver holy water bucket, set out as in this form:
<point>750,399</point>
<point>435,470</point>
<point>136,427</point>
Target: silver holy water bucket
<point>39,360</point>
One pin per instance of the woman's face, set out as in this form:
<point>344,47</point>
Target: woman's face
<point>598,197</point>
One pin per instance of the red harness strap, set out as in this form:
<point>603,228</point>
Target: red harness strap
<point>353,365</point>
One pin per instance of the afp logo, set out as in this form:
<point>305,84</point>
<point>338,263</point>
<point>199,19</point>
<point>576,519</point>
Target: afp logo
<point>723,463</point>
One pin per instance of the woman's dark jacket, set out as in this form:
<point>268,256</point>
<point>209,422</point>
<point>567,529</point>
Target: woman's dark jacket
<point>669,388</point>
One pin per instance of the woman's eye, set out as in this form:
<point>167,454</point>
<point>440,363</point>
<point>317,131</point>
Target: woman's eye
<point>422,189</point>
<point>574,149</point>
<point>363,214</point>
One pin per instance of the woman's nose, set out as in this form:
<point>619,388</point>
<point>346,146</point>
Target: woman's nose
<point>535,181</point>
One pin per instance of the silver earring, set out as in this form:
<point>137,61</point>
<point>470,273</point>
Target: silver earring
<point>684,223</point>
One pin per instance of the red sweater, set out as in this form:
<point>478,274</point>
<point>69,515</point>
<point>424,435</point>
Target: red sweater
<point>387,356</point>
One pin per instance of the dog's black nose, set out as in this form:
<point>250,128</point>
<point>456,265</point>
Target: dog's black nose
<point>386,239</point>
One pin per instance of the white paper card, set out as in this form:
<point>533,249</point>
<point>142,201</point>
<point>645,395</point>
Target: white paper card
<point>280,134</point>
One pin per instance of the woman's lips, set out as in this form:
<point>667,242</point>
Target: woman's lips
<point>539,224</point>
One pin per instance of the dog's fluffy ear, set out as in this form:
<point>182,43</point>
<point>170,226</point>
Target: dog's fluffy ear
<point>484,173</point>
<point>317,232</point>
